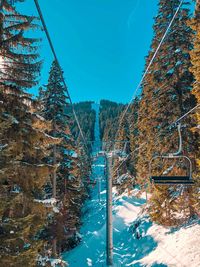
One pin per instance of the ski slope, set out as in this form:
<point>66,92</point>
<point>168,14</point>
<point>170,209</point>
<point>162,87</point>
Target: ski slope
<point>137,242</point>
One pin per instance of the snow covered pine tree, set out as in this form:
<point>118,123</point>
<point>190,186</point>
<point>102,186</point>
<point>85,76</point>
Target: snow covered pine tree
<point>23,143</point>
<point>67,181</point>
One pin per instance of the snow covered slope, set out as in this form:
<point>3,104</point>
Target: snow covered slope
<point>175,248</point>
<point>137,242</point>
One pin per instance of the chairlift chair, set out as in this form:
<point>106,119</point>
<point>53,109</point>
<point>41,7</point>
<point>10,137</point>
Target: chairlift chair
<point>173,180</point>
<point>92,182</point>
<point>101,153</point>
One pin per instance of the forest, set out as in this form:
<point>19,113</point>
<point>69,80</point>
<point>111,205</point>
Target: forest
<point>109,119</point>
<point>47,159</point>
<point>86,116</point>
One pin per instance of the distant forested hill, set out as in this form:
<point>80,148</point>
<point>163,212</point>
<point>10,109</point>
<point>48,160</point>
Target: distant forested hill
<point>109,115</point>
<point>109,119</point>
<point>86,116</point>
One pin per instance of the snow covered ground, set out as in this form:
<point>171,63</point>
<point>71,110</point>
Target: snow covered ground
<point>137,242</point>
<point>175,248</point>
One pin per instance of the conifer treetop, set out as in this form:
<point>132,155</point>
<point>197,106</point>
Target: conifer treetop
<point>20,65</point>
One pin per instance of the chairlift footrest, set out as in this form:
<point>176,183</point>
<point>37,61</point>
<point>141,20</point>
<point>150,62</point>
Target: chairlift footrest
<point>172,180</point>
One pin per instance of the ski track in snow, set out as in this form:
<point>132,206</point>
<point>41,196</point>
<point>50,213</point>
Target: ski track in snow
<point>137,242</point>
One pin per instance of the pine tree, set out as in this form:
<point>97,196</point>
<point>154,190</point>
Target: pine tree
<point>195,63</point>
<point>121,150</point>
<point>86,116</point>
<point>109,120</point>
<point>19,64</point>
<point>194,23</point>
<point>133,129</point>
<point>126,166</point>
<point>166,96</point>
<point>23,144</point>
<point>23,175</point>
<point>67,181</point>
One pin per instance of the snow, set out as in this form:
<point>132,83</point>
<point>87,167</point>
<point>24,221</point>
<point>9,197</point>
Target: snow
<point>89,262</point>
<point>3,146</point>
<point>53,262</point>
<point>123,178</point>
<point>38,116</point>
<point>56,210</point>
<point>178,50</point>
<point>58,262</point>
<point>91,252</point>
<point>168,170</point>
<point>179,248</point>
<point>26,245</point>
<point>49,202</point>
<point>127,212</point>
<point>71,177</point>
<point>117,152</point>
<point>71,153</point>
<point>13,119</point>
<point>171,71</point>
<point>137,242</point>
<point>98,165</point>
<point>74,155</point>
<point>178,63</point>
<point>16,189</point>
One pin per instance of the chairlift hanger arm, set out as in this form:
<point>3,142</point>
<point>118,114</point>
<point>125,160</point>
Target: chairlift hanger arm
<point>180,141</point>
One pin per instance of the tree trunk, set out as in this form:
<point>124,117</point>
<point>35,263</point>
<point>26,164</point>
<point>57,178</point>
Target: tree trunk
<point>1,21</point>
<point>54,173</point>
<point>190,206</point>
<point>54,247</point>
<point>23,204</point>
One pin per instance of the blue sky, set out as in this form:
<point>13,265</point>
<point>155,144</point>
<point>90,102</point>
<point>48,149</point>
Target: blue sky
<point>101,44</point>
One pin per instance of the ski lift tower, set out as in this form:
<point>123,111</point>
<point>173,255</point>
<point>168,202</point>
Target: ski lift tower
<point>109,219</point>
